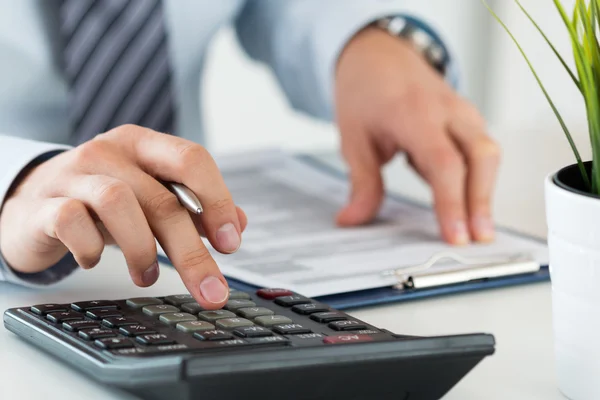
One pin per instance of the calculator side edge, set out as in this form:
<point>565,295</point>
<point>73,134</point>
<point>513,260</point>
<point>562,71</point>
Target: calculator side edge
<point>117,372</point>
<point>457,346</point>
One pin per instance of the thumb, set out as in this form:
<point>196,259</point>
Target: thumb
<point>366,182</point>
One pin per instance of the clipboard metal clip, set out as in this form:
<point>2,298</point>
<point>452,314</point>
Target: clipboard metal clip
<point>461,269</point>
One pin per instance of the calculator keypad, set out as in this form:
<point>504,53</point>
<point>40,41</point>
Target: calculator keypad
<point>146,326</point>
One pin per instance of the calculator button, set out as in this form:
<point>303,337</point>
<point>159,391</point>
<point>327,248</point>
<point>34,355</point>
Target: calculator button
<point>309,336</point>
<point>155,311</point>
<point>212,316</point>
<point>237,304</point>
<point>114,343</point>
<point>154,339</point>
<point>289,301</point>
<point>238,295</point>
<point>90,305</point>
<point>347,339</point>
<point>252,312</point>
<point>213,335</point>
<point>179,299</point>
<point>74,326</point>
<point>96,333</point>
<point>43,309</point>
<point>195,326</point>
<point>139,302</point>
<point>175,318</point>
<point>135,330</point>
<point>326,317</point>
<point>60,317</point>
<point>271,294</point>
<point>232,342</point>
<point>347,325</point>
<point>230,323</point>
<point>116,322</point>
<point>290,329</point>
<point>270,320</point>
<point>102,313</point>
<point>268,340</point>
<point>161,349</point>
<point>310,308</point>
<point>192,308</point>
<point>252,331</point>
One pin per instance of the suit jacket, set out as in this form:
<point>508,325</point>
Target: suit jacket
<point>298,39</point>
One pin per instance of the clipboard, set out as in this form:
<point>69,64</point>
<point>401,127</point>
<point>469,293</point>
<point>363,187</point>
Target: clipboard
<point>424,280</point>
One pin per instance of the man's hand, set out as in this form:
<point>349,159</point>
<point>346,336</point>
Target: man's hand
<point>108,191</point>
<point>388,99</point>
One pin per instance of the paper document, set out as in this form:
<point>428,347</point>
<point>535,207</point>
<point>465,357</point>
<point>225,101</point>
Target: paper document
<point>292,241</point>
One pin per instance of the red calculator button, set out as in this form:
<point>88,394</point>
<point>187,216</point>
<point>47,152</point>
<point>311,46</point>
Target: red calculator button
<point>271,294</point>
<point>347,339</point>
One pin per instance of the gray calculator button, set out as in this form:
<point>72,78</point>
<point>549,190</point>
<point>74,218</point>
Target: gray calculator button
<point>251,312</point>
<point>195,326</point>
<point>211,316</point>
<point>155,311</point>
<point>233,305</point>
<point>192,308</point>
<point>175,318</point>
<point>230,323</point>
<point>179,299</point>
<point>140,302</point>
<point>237,295</point>
<point>270,320</point>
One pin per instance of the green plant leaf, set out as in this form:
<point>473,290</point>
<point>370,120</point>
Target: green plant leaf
<point>560,58</point>
<point>545,92</point>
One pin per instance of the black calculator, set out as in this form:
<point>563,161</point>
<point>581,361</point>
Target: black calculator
<point>268,344</point>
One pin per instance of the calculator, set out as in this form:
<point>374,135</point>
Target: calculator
<point>268,344</point>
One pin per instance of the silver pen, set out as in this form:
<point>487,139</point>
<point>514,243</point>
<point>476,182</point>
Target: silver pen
<point>186,197</point>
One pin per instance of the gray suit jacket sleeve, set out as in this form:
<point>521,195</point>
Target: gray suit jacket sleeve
<point>302,39</point>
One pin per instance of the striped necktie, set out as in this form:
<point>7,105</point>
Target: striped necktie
<point>116,60</point>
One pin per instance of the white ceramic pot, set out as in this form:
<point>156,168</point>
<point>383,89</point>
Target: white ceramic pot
<point>573,219</point>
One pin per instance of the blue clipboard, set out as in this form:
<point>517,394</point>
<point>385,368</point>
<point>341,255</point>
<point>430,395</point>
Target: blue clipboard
<point>387,295</point>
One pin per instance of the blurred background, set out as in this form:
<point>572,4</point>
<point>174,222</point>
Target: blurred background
<point>245,109</point>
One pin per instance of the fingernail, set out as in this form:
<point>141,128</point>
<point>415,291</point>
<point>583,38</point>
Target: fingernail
<point>151,274</point>
<point>460,233</point>
<point>213,290</point>
<point>484,228</point>
<point>228,238</point>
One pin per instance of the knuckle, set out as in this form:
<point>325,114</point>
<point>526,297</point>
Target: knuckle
<point>221,206</point>
<point>193,259</point>
<point>141,256</point>
<point>448,160</point>
<point>126,130</point>
<point>192,153</point>
<point>487,150</point>
<point>91,152</point>
<point>112,193</point>
<point>164,205</point>
<point>71,212</point>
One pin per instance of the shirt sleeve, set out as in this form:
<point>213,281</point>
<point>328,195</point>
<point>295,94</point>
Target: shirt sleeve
<point>301,41</point>
<point>16,155</point>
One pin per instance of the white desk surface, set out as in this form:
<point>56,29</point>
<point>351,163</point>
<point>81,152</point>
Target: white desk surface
<point>519,318</point>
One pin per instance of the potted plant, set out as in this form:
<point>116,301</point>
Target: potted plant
<point>573,213</point>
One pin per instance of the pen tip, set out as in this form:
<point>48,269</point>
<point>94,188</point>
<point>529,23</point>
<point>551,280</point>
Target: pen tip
<point>198,211</point>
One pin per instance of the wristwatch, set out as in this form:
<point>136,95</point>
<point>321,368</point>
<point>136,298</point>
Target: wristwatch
<point>421,38</point>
